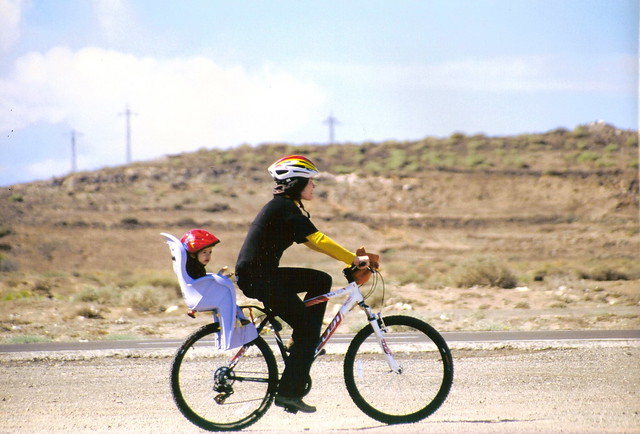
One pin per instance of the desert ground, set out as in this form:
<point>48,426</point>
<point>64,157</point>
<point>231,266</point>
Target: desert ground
<point>541,387</point>
<point>92,265</point>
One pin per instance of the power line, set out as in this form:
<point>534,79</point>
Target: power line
<point>128,113</point>
<point>74,161</point>
<point>332,122</point>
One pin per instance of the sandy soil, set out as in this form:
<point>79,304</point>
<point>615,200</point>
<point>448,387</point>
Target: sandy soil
<point>573,388</point>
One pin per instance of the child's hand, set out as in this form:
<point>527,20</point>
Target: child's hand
<point>224,272</point>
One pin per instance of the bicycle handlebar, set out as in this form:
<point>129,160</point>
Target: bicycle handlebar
<point>348,272</point>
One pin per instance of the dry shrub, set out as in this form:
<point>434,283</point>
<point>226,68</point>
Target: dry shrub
<point>90,312</point>
<point>105,295</point>
<point>420,273</point>
<point>148,298</point>
<point>7,265</point>
<point>482,271</point>
<point>167,282</point>
<point>604,274</point>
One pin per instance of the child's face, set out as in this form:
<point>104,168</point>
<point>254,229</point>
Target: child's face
<point>204,255</point>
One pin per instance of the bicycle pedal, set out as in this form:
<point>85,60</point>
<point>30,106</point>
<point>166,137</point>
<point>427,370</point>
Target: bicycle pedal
<point>221,398</point>
<point>291,410</point>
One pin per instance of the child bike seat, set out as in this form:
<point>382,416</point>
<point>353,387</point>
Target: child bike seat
<point>210,293</point>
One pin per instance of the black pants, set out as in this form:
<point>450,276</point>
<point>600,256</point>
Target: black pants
<point>279,292</point>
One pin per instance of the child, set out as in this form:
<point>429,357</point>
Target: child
<point>219,291</point>
<point>199,245</point>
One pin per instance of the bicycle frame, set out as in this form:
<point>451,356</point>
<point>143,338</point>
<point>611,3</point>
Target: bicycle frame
<point>426,372</point>
<point>354,298</point>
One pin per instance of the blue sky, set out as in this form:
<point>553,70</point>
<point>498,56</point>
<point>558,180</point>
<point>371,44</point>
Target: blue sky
<point>218,74</point>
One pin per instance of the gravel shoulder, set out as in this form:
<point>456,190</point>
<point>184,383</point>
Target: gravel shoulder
<point>517,387</point>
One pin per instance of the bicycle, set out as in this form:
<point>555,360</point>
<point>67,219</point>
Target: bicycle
<point>397,369</point>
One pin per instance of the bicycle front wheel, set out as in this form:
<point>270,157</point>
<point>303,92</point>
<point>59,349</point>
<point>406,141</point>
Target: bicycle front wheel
<point>218,391</point>
<point>424,380</point>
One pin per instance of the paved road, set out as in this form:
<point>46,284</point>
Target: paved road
<point>451,337</point>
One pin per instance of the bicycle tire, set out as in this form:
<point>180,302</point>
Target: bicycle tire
<point>216,396</point>
<point>414,394</point>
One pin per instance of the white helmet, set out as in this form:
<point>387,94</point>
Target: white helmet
<point>292,166</point>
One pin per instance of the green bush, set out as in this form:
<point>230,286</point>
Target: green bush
<point>374,168</point>
<point>16,295</point>
<point>611,148</point>
<point>474,160</point>
<point>588,156</point>
<point>397,159</point>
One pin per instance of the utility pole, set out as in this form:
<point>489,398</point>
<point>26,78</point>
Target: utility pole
<point>332,122</point>
<point>74,165</point>
<point>127,113</point>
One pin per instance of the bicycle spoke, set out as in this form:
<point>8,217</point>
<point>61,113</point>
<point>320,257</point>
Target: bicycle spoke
<point>392,397</point>
<point>216,396</point>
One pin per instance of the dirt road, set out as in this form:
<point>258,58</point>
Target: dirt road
<point>528,387</point>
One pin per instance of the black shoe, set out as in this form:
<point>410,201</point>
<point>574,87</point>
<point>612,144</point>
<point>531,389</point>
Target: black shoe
<point>293,405</point>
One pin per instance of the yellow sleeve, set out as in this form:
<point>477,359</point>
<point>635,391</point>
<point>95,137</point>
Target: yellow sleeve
<point>322,243</point>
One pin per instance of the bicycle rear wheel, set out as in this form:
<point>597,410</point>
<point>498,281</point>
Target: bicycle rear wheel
<point>216,393</point>
<point>416,392</point>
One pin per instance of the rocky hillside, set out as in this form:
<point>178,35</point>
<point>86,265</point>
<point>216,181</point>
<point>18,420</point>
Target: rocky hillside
<point>395,196</point>
<point>459,221</point>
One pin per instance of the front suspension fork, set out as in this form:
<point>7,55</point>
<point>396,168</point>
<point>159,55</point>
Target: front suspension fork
<point>379,329</point>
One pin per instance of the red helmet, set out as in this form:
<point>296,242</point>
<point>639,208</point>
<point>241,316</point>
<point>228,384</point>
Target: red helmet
<point>198,239</point>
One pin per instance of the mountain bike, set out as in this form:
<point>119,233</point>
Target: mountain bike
<point>397,369</point>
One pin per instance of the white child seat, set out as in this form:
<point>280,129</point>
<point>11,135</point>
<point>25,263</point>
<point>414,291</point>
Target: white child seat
<point>211,293</point>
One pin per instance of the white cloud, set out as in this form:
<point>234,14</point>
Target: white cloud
<point>544,73</point>
<point>181,104</point>
<point>45,168</point>
<point>10,21</point>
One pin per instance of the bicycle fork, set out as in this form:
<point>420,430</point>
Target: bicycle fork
<point>379,329</point>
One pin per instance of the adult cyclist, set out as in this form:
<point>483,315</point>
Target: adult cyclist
<point>282,222</point>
